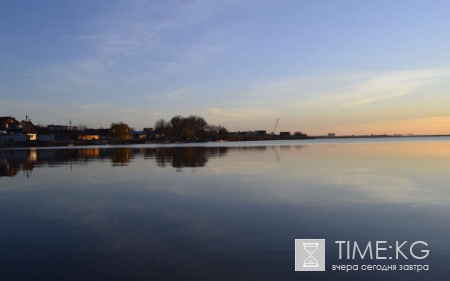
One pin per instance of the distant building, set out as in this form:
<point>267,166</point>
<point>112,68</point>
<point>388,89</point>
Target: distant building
<point>8,122</point>
<point>57,128</point>
<point>151,134</point>
<point>32,136</point>
<point>261,132</point>
<point>139,135</point>
<point>27,127</point>
<point>285,134</point>
<point>9,125</point>
<point>60,128</point>
<point>46,137</point>
<point>18,137</point>
<point>87,137</point>
<point>331,135</point>
<point>63,137</point>
<point>103,134</point>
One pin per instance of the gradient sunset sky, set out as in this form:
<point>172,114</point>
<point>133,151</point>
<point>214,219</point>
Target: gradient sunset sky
<point>348,67</point>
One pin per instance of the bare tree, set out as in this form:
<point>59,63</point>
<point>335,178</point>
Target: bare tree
<point>163,127</point>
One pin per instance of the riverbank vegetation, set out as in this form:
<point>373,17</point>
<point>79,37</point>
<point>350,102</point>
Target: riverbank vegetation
<point>188,129</point>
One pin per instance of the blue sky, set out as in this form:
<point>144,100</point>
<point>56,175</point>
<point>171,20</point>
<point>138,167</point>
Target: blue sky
<point>349,67</point>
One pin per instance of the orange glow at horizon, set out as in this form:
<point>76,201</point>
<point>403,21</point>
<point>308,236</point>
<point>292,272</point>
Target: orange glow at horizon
<point>420,126</point>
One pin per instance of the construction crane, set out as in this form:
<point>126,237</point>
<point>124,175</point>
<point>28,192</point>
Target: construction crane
<point>276,125</point>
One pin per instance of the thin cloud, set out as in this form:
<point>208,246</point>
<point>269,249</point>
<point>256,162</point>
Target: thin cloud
<point>172,96</point>
<point>387,86</point>
<point>143,27</point>
<point>344,90</point>
<point>218,111</point>
<point>188,57</point>
<point>217,114</point>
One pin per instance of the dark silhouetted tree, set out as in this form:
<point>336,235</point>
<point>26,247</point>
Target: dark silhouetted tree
<point>222,130</point>
<point>188,128</point>
<point>163,127</point>
<point>197,123</point>
<point>120,131</point>
<point>216,130</point>
<point>178,124</point>
<point>213,129</point>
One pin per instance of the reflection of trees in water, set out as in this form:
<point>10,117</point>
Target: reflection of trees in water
<point>13,161</point>
<point>11,168</point>
<point>120,156</point>
<point>180,157</point>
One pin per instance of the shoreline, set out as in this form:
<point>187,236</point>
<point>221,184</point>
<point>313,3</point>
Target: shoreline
<point>131,142</point>
<point>59,144</point>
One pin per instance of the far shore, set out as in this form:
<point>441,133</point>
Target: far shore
<point>38,143</point>
<point>29,144</point>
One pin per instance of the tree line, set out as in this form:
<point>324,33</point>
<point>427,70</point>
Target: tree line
<point>188,128</point>
<point>177,128</point>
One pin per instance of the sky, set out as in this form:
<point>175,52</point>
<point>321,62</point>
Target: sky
<point>347,67</point>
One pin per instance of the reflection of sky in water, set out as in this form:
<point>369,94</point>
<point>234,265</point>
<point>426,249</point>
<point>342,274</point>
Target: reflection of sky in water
<point>211,213</point>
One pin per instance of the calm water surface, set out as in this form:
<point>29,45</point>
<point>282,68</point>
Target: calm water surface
<point>220,211</point>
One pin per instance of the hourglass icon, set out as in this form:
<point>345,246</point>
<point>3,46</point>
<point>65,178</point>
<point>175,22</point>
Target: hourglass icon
<point>310,248</point>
